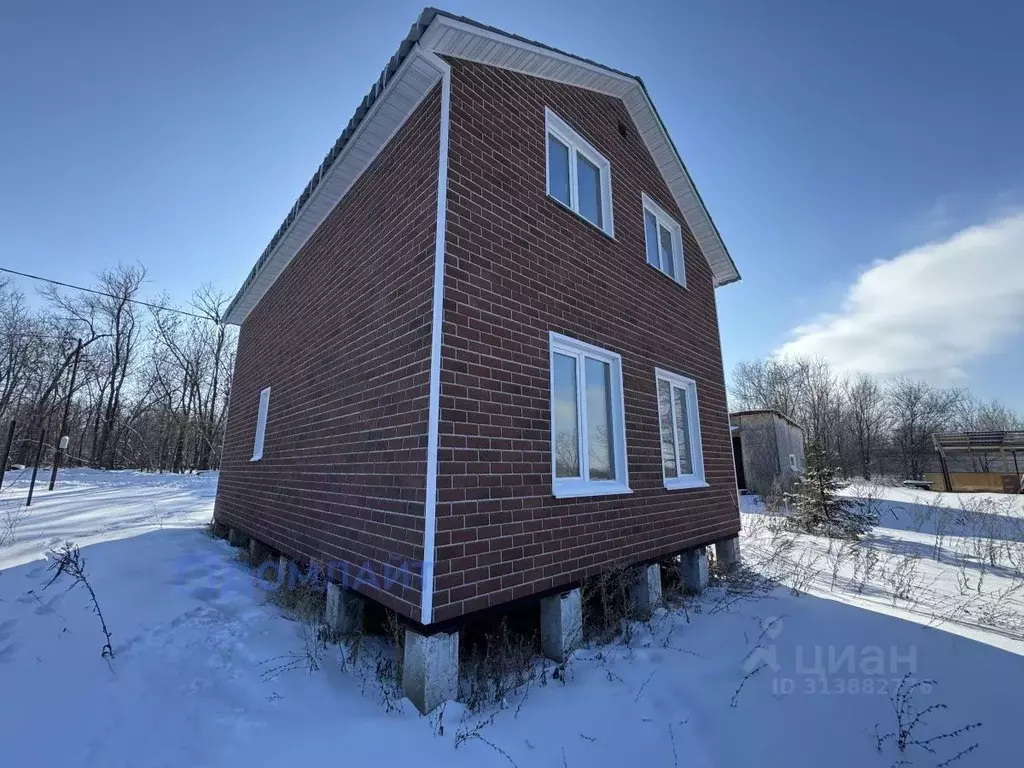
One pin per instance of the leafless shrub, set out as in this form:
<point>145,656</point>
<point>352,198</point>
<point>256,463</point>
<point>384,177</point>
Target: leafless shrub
<point>388,663</point>
<point>501,664</point>
<point>910,719</point>
<point>839,552</point>
<point>1002,608</point>
<point>468,733</point>
<point>302,598</point>
<point>67,560</point>
<point>899,573</point>
<point>11,517</point>
<point>774,501</point>
<point>921,514</point>
<point>608,609</point>
<point>803,572</point>
<point>943,518</point>
<point>734,701</point>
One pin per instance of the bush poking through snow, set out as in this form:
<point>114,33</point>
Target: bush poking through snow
<point>67,560</point>
<point>304,600</point>
<point>497,667</point>
<point>818,508</point>
<point>608,606</point>
<point>910,720</point>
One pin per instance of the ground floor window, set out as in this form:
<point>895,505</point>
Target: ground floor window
<point>682,457</point>
<point>588,437</point>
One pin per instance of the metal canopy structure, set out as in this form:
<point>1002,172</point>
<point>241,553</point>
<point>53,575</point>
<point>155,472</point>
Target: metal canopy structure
<point>1004,443</point>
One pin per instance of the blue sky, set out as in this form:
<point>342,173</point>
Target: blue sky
<point>824,137</point>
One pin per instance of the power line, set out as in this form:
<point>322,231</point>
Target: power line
<point>108,295</point>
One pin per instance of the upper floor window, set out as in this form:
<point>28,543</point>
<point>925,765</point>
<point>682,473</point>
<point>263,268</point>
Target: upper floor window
<point>588,439</point>
<point>682,457</point>
<point>579,177</point>
<point>261,425</point>
<point>664,239</point>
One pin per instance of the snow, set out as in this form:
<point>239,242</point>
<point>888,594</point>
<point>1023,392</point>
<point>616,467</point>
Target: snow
<point>728,681</point>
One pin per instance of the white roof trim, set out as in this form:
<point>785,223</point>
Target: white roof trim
<point>460,39</point>
<point>404,92</point>
<point>415,78</point>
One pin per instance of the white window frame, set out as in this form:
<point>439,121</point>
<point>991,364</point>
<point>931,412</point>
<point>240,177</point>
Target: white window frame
<point>569,487</point>
<point>261,425</point>
<point>557,127</point>
<point>696,478</point>
<point>792,462</point>
<point>663,219</point>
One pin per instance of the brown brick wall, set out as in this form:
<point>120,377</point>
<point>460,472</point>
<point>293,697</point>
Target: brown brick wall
<point>518,265</point>
<point>343,340</point>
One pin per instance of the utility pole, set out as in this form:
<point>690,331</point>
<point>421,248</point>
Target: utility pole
<point>35,467</point>
<point>63,443</point>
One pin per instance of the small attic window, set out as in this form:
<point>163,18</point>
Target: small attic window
<point>664,241</point>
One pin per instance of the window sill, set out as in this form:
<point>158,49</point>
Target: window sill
<point>677,484</point>
<point>578,488</point>
<point>581,217</point>
<point>680,283</point>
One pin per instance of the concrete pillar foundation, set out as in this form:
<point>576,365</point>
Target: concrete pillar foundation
<point>344,612</point>
<point>430,670</point>
<point>646,589</point>
<point>727,553</point>
<point>561,624</point>
<point>693,565</point>
<point>258,552</point>
<point>236,538</point>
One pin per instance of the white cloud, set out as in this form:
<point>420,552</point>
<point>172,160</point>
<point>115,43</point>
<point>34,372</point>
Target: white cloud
<point>930,309</point>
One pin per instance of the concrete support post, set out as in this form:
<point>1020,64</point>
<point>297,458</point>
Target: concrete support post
<point>236,538</point>
<point>430,670</point>
<point>561,624</point>
<point>344,613</point>
<point>258,552</point>
<point>646,589</point>
<point>286,570</point>
<point>727,553</point>
<point>693,564</point>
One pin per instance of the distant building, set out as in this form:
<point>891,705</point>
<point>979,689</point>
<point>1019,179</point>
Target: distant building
<point>767,446</point>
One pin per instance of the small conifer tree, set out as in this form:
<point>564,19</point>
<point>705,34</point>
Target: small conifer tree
<point>817,506</point>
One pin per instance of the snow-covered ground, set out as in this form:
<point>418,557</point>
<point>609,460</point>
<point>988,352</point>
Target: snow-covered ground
<point>774,679</point>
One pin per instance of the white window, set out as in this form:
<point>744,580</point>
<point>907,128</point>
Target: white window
<point>261,425</point>
<point>792,462</point>
<point>588,437</point>
<point>664,239</point>
<point>682,457</point>
<point>579,177</point>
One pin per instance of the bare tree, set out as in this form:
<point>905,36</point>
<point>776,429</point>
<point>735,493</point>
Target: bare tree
<point>867,417</point>
<point>770,384</point>
<point>919,410</point>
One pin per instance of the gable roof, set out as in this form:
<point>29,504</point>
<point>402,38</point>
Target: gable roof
<point>408,77</point>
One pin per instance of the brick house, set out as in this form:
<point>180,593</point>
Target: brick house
<point>484,342</point>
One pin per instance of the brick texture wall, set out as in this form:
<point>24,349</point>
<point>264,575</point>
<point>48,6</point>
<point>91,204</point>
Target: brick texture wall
<point>518,265</point>
<point>343,340</point>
